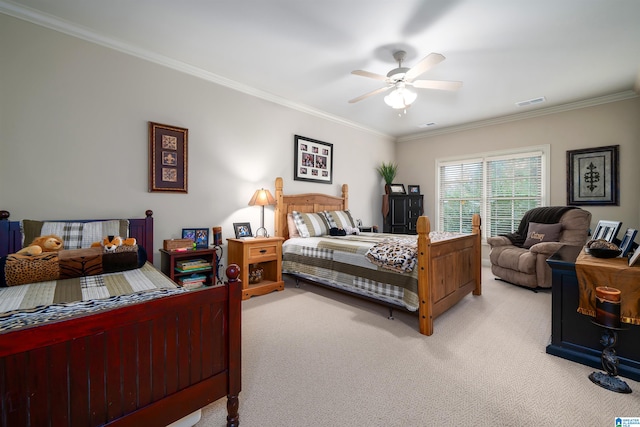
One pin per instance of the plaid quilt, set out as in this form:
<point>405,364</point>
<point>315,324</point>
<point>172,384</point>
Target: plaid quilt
<point>40,302</point>
<point>342,262</point>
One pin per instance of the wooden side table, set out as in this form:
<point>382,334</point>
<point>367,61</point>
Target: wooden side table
<point>169,260</point>
<point>263,251</point>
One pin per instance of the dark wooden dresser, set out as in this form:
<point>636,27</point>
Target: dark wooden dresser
<point>573,335</point>
<point>400,213</point>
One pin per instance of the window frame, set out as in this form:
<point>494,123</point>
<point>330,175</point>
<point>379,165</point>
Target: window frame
<point>484,157</point>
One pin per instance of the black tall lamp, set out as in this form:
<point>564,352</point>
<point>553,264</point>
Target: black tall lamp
<point>262,198</point>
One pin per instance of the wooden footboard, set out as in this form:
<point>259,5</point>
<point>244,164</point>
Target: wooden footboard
<point>150,363</point>
<point>448,271</point>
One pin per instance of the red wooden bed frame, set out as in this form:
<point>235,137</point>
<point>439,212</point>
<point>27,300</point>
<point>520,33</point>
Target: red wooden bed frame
<point>146,364</point>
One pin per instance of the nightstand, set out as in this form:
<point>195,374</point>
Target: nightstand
<point>172,261</point>
<point>263,251</point>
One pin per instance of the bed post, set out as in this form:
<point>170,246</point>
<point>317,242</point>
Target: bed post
<point>425,307</point>
<point>345,196</point>
<point>475,229</point>
<point>10,235</point>
<point>280,217</point>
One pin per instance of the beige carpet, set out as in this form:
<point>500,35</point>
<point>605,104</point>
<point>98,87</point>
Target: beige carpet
<point>315,357</point>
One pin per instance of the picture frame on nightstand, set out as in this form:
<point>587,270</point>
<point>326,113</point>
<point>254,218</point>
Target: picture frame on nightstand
<point>242,229</point>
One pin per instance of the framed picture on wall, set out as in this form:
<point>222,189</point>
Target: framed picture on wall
<point>593,176</point>
<point>167,158</point>
<point>312,160</point>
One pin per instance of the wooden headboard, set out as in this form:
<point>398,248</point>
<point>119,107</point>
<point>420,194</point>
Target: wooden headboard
<point>307,202</point>
<point>140,228</point>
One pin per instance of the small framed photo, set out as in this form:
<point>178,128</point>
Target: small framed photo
<point>397,189</point>
<point>189,233</point>
<point>414,189</point>
<point>607,230</point>
<point>627,241</point>
<point>633,259</point>
<point>242,229</point>
<point>202,238</point>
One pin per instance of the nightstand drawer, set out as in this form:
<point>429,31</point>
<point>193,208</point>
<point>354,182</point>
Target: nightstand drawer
<point>262,252</point>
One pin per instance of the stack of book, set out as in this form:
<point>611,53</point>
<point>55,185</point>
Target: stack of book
<point>193,281</point>
<point>192,265</point>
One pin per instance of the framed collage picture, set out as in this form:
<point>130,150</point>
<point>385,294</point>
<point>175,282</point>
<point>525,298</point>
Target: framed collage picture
<point>312,160</point>
<point>167,158</point>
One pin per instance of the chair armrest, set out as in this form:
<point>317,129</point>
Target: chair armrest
<point>499,241</point>
<point>546,248</point>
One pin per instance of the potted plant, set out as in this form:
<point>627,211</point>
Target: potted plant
<point>388,172</point>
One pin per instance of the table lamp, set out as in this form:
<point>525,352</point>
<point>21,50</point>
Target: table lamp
<point>262,198</point>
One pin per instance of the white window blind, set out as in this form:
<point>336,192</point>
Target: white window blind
<point>460,194</point>
<point>514,185</point>
<point>500,187</point>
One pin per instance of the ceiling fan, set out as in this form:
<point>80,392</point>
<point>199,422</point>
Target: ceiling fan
<point>401,78</point>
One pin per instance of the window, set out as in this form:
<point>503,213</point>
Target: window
<point>501,187</point>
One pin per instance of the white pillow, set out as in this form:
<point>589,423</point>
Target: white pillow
<point>77,235</point>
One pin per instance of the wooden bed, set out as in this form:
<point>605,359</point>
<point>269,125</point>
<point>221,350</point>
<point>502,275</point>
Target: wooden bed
<point>144,364</point>
<point>448,270</point>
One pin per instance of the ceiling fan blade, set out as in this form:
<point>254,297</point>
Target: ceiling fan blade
<point>437,84</point>
<point>366,95</point>
<point>427,62</point>
<point>369,74</point>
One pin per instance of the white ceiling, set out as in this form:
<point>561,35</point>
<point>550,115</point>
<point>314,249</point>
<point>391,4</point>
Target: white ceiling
<point>301,53</point>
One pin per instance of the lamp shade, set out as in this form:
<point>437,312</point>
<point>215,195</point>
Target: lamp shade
<point>400,98</point>
<point>262,197</point>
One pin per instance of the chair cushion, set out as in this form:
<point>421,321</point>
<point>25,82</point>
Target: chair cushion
<point>514,258</point>
<point>537,233</point>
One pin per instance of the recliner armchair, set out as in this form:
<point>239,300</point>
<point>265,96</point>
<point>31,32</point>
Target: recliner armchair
<point>523,266</point>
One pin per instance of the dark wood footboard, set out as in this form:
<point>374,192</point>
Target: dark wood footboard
<point>150,363</point>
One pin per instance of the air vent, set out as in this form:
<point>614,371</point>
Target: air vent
<point>426,125</point>
<point>531,101</point>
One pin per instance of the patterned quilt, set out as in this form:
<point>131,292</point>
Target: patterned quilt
<point>342,262</point>
<point>39,302</point>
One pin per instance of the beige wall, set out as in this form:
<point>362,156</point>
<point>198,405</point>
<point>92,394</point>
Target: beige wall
<point>73,139</point>
<point>615,123</point>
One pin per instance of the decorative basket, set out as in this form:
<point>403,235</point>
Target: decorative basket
<point>255,274</point>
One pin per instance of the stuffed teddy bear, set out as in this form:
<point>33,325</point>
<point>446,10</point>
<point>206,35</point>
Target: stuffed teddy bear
<point>48,243</point>
<point>111,243</point>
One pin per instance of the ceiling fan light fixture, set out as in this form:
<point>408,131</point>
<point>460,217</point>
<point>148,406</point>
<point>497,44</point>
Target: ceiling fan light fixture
<point>400,98</point>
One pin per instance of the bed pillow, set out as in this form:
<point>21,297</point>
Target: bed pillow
<point>291,225</point>
<point>76,235</point>
<point>311,224</point>
<point>340,219</point>
<point>537,233</point>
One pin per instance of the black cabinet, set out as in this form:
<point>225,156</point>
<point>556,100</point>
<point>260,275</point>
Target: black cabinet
<point>401,212</point>
<point>574,336</point>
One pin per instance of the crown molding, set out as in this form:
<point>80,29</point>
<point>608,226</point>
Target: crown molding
<point>621,96</point>
<point>54,23</point>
